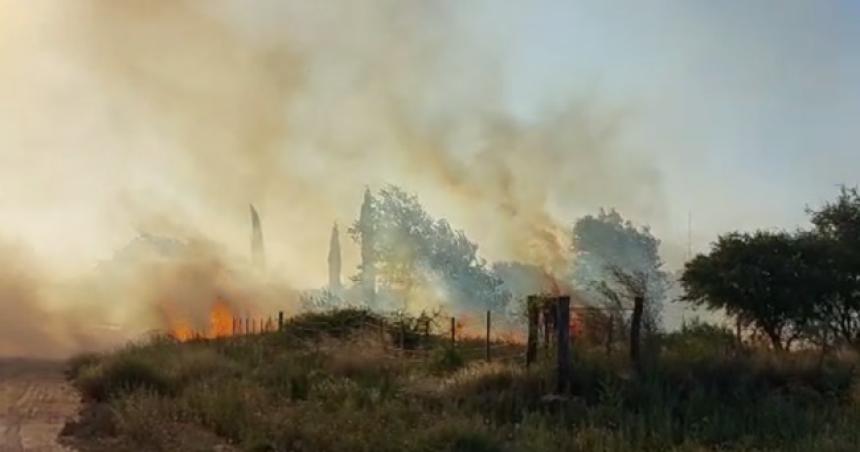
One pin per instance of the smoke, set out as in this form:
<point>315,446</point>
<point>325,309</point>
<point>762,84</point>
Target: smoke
<point>170,116</point>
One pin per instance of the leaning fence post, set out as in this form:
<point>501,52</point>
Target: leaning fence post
<point>489,320</point>
<point>562,327</point>
<point>280,320</point>
<point>531,342</point>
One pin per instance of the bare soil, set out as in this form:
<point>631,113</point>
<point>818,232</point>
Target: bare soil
<point>35,403</point>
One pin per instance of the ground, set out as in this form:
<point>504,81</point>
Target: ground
<point>35,403</point>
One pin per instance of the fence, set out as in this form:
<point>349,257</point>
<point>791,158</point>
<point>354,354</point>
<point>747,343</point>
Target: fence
<point>416,336</point>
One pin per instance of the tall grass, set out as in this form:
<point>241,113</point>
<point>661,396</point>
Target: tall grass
<point>356,392</point>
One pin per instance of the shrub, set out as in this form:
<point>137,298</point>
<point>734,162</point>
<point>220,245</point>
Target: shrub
<point>123,373</point>
<point>334,323</point>
<point>446,359</point>
<point>79,362</point>
<point>459,435</point>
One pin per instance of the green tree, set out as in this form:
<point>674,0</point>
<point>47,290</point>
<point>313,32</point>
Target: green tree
<point>765,277</point>
<point>334,283</point>
<point>363,231</point>
<point>615,262</point>
<point>837,247</point>
<point>412,251</point>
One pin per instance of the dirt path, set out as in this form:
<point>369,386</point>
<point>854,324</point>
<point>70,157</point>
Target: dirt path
<point>35,402</point>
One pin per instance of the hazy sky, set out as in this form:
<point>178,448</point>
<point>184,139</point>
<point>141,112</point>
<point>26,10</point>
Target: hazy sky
<point>749,109</point>
<point>740,112</point>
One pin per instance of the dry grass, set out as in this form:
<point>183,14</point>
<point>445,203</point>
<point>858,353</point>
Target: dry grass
<point>358,393</point>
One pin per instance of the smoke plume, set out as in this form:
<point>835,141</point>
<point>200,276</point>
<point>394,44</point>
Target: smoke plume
<point>170,116</point>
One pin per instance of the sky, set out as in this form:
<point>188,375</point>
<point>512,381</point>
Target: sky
<point>129,116</point>
<point>748,108</point>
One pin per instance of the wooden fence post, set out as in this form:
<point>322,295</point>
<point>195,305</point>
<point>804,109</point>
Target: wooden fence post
<point>453,331</point>
<point>489,322</point>
<point>280,320</point>
<point>247,322</point>
<point>548,313</point>
<point>531,342</point>
<point>610,332</point>
<point>563,346</point>
<point>636,332</point>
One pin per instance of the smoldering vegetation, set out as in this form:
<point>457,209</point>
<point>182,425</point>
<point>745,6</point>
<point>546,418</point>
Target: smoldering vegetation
<point>153,286</point>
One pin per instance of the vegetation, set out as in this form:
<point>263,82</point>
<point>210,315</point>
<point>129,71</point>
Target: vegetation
<point>793,288</point>
<point>615,263</point>
<point>344,389</point>
<point>406,254</point>
<point>353,380</point>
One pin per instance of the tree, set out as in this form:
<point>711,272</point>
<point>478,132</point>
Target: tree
<point>837,230</point>
<point>412,252</point>
<point>363,231</point>
<point>334,284</point>
<point>614,262</point>
<point>258,254</point>
<point>766,277</point>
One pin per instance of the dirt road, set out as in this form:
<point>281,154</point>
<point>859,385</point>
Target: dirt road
<point>35,402</point>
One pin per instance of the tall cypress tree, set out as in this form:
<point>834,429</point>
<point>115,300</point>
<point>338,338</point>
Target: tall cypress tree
<point>258,255</point>
<point>334,283</point>
<point>364,232</point>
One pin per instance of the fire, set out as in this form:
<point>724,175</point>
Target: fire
<point>182,331</point>
<point>220,320</point>
<point>220,324</point>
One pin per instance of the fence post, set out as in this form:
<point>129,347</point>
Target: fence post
<point>610,333</point>
<point>247,322</point>
<point>531,342</point>
<point>280,320</point>
<point>562,307</point>
<point>489,320</point>
<point>453,331</point>
<point>636,332</point>
<point>549,320</point>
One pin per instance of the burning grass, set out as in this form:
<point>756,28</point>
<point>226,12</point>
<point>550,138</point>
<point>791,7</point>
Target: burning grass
<point>348,388</point>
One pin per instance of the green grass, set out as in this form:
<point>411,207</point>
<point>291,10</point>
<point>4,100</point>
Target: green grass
<point>347,388</point>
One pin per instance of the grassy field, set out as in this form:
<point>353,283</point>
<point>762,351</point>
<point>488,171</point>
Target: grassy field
<point>329,383</point>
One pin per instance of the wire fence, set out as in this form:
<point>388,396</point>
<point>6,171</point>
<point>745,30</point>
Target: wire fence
<point>486,335</point>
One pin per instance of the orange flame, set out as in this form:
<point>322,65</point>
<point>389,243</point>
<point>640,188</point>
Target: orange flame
<point>220,320</point>
<point>220,324</point>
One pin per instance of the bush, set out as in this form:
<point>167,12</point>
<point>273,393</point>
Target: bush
<point>446,359</point>
<point>339,323</point>
<point>123,373</point>
<point>455,435</point>
<point>79,362</point>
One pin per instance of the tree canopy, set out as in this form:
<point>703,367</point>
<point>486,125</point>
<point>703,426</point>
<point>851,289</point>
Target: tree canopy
<point>788,285</point>
<point>412,252</point>
<point>614,261</point>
